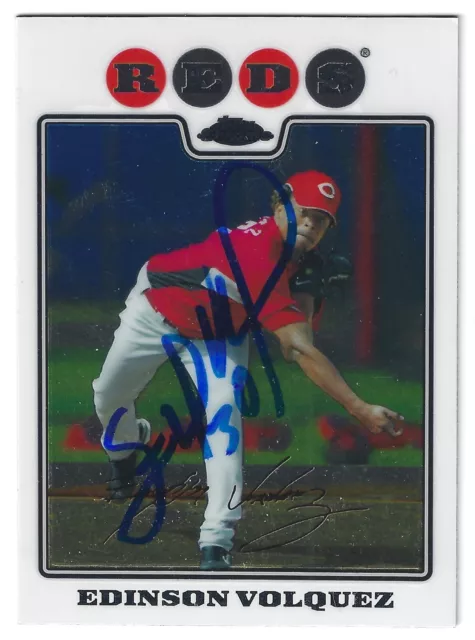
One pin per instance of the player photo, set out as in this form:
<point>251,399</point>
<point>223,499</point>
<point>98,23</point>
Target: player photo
<point>237,361</point>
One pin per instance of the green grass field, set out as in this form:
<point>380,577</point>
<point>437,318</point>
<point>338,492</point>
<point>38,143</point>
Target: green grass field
<point>71,371</point>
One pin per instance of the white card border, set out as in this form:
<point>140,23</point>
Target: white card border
<point>430,603</point>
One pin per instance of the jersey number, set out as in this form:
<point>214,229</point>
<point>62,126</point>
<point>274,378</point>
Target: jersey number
<point>247,227</point>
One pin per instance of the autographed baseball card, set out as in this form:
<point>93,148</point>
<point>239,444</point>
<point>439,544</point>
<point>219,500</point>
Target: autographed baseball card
<point>244,279</point>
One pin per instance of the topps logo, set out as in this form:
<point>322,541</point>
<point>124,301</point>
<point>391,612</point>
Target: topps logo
<point>316,600</point>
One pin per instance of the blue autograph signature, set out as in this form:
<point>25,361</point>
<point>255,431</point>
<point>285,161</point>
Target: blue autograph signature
<point>157,456</point>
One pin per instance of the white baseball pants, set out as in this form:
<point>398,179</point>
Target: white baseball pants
<point>133,359</point>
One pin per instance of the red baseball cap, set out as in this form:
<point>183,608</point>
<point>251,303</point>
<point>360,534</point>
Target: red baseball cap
<point>316,190</point>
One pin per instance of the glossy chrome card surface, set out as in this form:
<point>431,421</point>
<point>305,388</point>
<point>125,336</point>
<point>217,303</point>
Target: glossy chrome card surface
<point>246,288</point>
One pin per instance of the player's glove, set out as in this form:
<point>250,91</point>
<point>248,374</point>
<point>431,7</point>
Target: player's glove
<point>337,273</point>
<point>321,278</point>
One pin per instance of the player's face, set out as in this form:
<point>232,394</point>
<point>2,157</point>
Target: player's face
<point>312,225</point>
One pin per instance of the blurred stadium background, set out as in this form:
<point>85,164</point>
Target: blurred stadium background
<point>118,193</point>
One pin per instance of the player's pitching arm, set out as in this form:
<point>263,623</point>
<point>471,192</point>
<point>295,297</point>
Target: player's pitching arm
<point>306,304</point>
<point>296,344</point>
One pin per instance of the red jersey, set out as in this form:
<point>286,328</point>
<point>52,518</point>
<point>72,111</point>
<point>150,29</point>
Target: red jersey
<point>180,281</point>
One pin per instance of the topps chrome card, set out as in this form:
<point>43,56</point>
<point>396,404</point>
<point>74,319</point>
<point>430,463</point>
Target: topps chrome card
<point>242,403</point>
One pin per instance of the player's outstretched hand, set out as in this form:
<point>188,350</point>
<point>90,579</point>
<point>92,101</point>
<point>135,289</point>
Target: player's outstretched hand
<point>377,419</point>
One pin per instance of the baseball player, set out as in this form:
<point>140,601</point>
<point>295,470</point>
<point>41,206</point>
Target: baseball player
<point>162,307</point>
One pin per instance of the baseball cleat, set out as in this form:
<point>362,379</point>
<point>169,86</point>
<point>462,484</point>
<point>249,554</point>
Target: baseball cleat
<point>145,430</point>
<point>215,559</point>
<point>122,483</point>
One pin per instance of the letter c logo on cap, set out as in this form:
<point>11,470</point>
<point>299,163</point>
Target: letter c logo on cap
<point>327,190</point>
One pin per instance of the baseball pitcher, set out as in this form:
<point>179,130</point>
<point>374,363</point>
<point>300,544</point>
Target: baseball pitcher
<point>162,307</point>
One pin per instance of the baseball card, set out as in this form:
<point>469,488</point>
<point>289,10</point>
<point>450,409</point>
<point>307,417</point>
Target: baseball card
<point>243,258</point>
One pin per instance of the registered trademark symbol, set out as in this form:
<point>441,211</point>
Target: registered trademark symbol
<point>365,52</point>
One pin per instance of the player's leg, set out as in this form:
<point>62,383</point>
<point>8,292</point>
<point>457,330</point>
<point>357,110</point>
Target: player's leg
<point>131,362</point>
<point>133,358</point>
<point>223,450</point>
